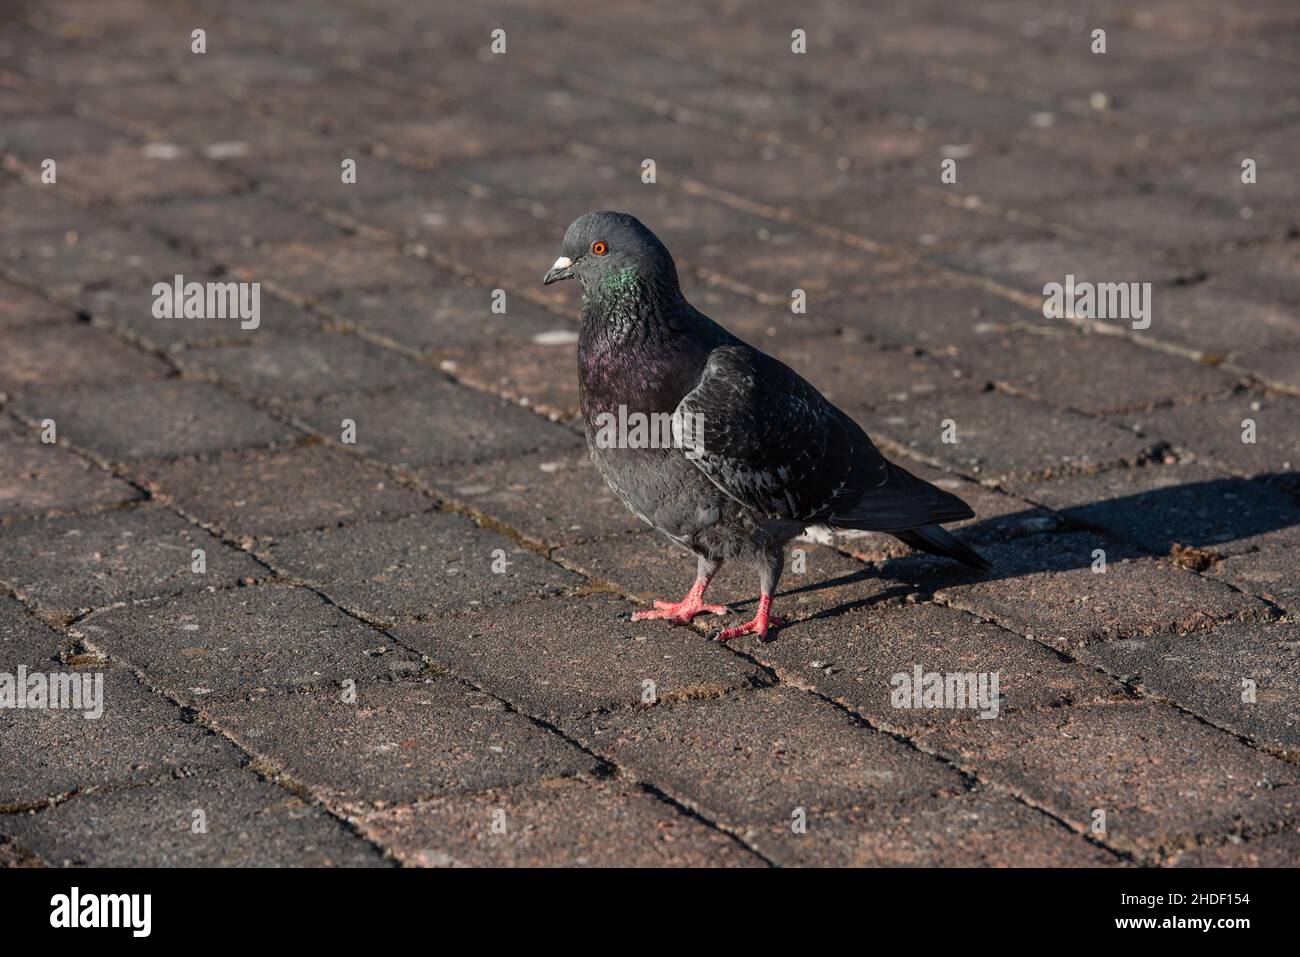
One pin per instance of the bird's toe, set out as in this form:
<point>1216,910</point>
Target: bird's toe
<point>758,626</point>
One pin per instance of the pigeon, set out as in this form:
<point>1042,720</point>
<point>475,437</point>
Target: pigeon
<point>756,455</point>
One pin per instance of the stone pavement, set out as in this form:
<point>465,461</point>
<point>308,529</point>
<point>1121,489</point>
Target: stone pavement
<point>348,578</point>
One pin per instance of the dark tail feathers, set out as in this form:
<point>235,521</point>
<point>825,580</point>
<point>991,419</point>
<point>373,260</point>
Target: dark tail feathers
<point>937,541</point>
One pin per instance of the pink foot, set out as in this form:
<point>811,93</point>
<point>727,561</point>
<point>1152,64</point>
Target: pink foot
<point>681,612</point>
<point>763,619</point>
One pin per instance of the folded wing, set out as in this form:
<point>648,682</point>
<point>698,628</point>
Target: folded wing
<point>772,442</point>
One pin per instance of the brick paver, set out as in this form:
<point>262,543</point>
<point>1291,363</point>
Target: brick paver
<point>140,738</point>
<point>405,640</point>
<point>248,822</point>
<point>244,641</point>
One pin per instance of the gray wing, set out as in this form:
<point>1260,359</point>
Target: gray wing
<point>772,442</point>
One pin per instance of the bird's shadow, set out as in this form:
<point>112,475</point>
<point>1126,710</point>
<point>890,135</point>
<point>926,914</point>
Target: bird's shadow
<point>1195,518</point>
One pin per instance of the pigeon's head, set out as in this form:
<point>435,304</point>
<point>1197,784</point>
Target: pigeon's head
<point>605,250</point>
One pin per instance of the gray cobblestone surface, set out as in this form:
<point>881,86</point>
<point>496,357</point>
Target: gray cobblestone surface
<point>406,649</point>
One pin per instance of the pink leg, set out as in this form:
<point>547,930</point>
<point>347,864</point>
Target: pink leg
<point>763,619</point>
<point>681,612</point>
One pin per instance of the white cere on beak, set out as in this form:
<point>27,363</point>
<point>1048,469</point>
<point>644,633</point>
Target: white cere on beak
<point>564,262</point>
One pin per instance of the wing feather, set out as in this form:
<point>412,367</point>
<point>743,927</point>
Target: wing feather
<point>772,442</point>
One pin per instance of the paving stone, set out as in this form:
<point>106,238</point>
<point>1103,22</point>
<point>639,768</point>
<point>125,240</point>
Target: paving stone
<point>568,657</point>
<point>398,742</point>
<point>437,319</point>
<point>774,258</point>
<point>37,478</point>
<point>419,567</point>
<point>245,641</point>
<point>750,759</point>
<point>261,494</point>
<point>1270,269</point>
<point>748,44</point>
<point>1056,46</point>
<point>542,176</point>
<point>1272,573</point>
<point>25,639</point>
<point>39,216</point>
<point>1276,188</point>
<point>139,738</point>
<point>1029,265</point>
<point>1044,586</point>
<point>232,222</point>
<point>1191,316</point>
<point>1161,220</point>
<point>79,66</point>
<point>1096,374</point>
<point>152,104</point>
<point>250,823</point>
<point>1159,507</point>
<point>629,67</point>
<point>681,151</point>
<point>1003,437</point>
<point>130,312</point>
<point>89,561</point>
<point>245,68</point>
<point>513,265</point>
<point>56,357</point>
<point>865,658</point>
<point>991,175</point>
<point>315,175</point>
<point>156,419</point>
<point>960,108</point>
<point>1142,763</point>
<point>36,137</point>
<point>25,103</point>
<point>1215,430</point>
<point>312,269</point>
<point>69,260</point>
<point>759,171</point>
<point>540,375</point>
<point>563,111</point>
<point>553,498</point>
<point>769,324</point>
<point>886,146</point>
<point>437,424</point>
<point>1204,672</point>
<point>553,824</point>
<point>949,830</point>
<point>368,27</point>
<point>303,367</point>
<point>1274,850</point>
<point>19,306</point>
<point>1222,83</point>
<point>15,855</point>
<point>907,220</point>
<point>119,21</point>
<point>445,217</point>
<point>332,102</point>
<point>1108,149</point>
<point>128,174</point>
<point>450,138</point>
<point>942,320</point>
<point>1277,369</point>
<point>261,136</point>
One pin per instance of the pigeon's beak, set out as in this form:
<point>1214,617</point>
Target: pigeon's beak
<point>563,269</point>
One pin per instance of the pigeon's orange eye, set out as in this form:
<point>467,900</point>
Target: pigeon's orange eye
<point>599,247</point>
